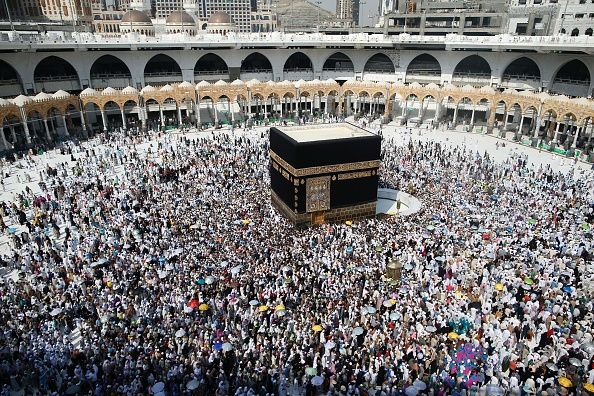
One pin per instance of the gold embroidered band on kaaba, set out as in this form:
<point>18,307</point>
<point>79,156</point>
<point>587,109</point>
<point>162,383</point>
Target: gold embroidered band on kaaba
<point>316,170</point>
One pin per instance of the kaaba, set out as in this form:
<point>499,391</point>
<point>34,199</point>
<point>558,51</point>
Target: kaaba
<point>324,173</point>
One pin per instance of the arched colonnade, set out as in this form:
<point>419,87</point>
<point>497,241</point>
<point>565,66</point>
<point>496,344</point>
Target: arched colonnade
<point>526,113</point>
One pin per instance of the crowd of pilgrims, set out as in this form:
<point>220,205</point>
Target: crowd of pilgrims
<point>160,268</point>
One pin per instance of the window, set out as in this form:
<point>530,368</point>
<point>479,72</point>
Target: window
<point>579,16</point>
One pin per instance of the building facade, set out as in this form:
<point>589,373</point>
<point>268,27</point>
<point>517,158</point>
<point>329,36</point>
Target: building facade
<point>348,10</point>
<point>433,17</point>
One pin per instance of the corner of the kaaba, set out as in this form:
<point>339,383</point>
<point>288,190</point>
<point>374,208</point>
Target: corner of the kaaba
<point>321,174</point>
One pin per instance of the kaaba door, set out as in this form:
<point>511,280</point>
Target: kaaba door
<point>318,217</point>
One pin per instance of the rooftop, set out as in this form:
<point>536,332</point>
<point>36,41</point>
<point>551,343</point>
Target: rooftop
<point>321,132</point>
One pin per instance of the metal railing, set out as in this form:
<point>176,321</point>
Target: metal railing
<point>210,72</point>
<point>284,39</point>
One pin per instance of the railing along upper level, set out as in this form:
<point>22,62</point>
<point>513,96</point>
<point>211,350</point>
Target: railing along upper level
<point>280,39</point>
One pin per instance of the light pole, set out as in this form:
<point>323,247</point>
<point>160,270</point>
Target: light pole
<point>9,16</point>
<point>318,3</point>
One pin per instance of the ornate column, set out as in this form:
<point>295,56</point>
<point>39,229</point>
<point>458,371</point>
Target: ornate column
<point>13,134</point>
<point>555,139</point>
<point>536,126</point>
<point>455,115</point>
<point>83,122</point>
<point>197,111</point>
<point>437,111</point>
<point>472,117</point>
<point>25,126</point>
<point>216,116</point>
<point>143,114</point>
<point>4,141</point>
<point>521,124</point>
<point>65,126</point>
<point>104,120</point>
<point>404,107</point>
<point>162,117</point>
<point>232,112</point>
<point>123,118</point>
<point>179,117</point>
<point>326,108</point>
<point>47,132</point>
<point>577,134</point>
<point>491,120</point>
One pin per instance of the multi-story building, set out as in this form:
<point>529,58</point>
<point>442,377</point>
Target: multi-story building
<point>164,8</point>
<point>239,10</point>
<point>437,17</point>
<point>20,9</point>
<point>79,11</point>
<point>304,16</point>
<point>264,20</point>
<point>576,17</point>
<point>348,10</point>
<point>532,17</point>
<point>549,17</point>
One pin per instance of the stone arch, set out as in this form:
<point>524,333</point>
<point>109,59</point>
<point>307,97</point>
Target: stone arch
<point>10,76</point>
<point>472,68</point>
<point>110,71</point>
<point>53,69</point>
<point>338,61</point>
<point>575,32</point>
<point>573,70</point>
<point>522,68</point>
<point>211,64</point>
<point>589,32</point>
<point>379,63</point>
<point>298,61</point>
<point>256,63</point>
<point>162,68</point>
<point>421,67</point>
<point>573,78</point>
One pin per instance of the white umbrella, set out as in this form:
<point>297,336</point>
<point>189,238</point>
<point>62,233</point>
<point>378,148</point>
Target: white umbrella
<point>420,385</point>
<point>393,316</point>
<point>371,310</point>
<point>162,274</point>
<point>317,380</point>
<point>193,384</point>
<point>227,346</point>
<point>329,345</point>
<point>56,311</point>
<point>236,270</point>
<point>411,391</point>
<point>158,387</point>
<point>430,329</point>
<point>388,303</point>
<point>357,331</point>
<point>253,303</point>
<point>188,309</point>
<point>180,333</point>
<point>209,280</point>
